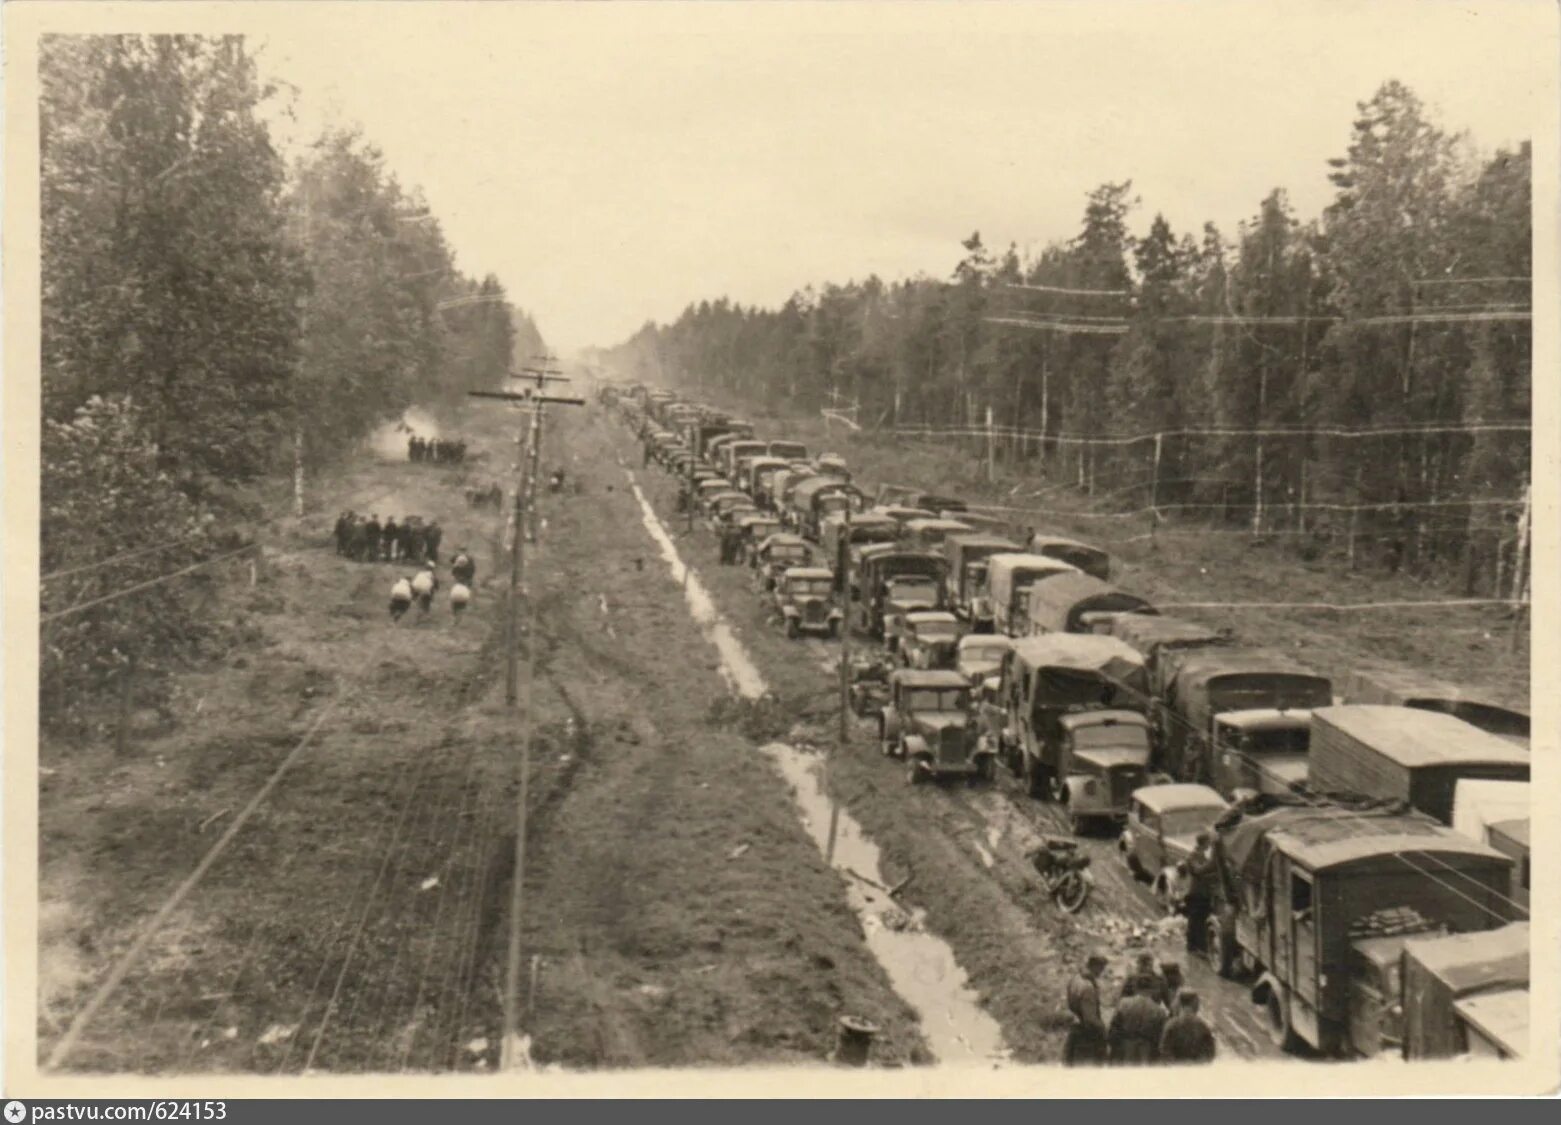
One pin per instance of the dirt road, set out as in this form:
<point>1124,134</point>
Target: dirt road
<point>963,849</point>
<point>677,913</point>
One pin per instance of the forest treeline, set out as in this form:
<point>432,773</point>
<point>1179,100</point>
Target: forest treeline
<point>1357,382</point>
<point>213,315</point>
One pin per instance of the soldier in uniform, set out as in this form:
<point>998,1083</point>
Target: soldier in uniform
<point>370,542</point>
<point>1086,1042</point>
<point>390,539</point>
<point>1134,1035</point>
<point>431,536</point>
<point>1187,1037</point>
<point>1200,891</point>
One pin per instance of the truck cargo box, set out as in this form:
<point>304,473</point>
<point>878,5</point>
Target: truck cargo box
<point>1440,971</point>
<point>1406,754</point>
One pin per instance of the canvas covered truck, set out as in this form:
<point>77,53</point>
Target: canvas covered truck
<point>1409,687</point>
<point>862,531</point>
<point>932,533</point>
<point>1497,813</point>
<point>1045,680</point>
<point>888,580</point>
<point>1156,637</point>
<point>1315,902</point>
<point>1455,985</point>
<point>967,554</point>
<point>1405,754</point>
<point>1091,560</point>
<point>1207,688</point>
<point>1009,577</point>
<point>1079,603</point>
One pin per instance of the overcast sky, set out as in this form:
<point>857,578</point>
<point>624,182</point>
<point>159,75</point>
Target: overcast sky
<point>611,163</point>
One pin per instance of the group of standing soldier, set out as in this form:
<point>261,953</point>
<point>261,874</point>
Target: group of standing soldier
<point>366,539</point>
<point>1156,1019</point>
<point>436,450</point>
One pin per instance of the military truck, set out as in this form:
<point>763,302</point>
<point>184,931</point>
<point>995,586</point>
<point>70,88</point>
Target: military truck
<point>929,723</point>
<point>1008,581</point>
<point>1405,754</point>
<point>1045,679</point>
<point>1079,603</point>
<point>1206,690</point>
<point>1450,981</point>
<point>1091,560</point>
<point>1410,687</point>
<point>967,554</point>
<point>882,567</point>
<point>1315,902</point>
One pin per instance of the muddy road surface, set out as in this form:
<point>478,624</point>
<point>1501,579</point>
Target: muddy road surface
<point>677,909</point>
<point>961,851</point>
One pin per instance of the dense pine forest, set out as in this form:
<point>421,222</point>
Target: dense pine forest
<point>215,317</point>
<point>1355,383</point>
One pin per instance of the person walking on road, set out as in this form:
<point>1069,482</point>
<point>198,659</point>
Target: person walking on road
<point>460,595</point>
<point>431,536</point>
<point>1086,1042</point>
<point>390,539</point>
<point>1187,1037</point>
<point>400,598</point>
<point>1200,892</point>
<point>463,567</point>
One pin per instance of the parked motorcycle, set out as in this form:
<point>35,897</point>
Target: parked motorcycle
<point>1064,872</point>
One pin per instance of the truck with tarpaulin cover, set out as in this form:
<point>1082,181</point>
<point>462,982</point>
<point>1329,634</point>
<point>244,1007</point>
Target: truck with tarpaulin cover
<point>1009,577</point>
<point>1409,687</point>
<point>967,554</point>
<point>888,579</point>
<point>1315,901</point>
<point>861,531</point>
<point>1075,603</point>
<point>1442,975</point>
<point>1045,679</point>
<point>1405,754</point>
<point>803,507</point>
<point>1156,635</point>
<point>1214,695</point>
<point>1091,560</point>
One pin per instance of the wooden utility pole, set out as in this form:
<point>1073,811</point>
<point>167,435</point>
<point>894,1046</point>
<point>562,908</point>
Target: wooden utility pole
<point>843,733</point>
<point>525,500</point>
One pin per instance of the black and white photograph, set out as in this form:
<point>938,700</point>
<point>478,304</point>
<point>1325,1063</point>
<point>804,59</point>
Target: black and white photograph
<point>780,549</point>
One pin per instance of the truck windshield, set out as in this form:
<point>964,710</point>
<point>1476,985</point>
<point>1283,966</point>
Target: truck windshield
<point>1117,734</point>
<point>1187,822</point>
<point>937,630</point>
<point>936,699</point>
<point>811,587</point>
<point>912,588</point>
<point>1281,740</point>
<point>791,450</point>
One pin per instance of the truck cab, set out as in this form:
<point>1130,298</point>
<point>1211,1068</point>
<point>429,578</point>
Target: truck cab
<point>930,723</point>
<point>1102,757</point>
<point>1260,751</point>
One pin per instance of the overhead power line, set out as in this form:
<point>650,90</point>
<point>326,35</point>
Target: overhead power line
<point>57,614</point>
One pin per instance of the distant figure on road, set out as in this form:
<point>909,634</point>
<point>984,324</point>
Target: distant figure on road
<point>463,567</point>
<point>431,537</point>
<point>1134,1035</point>
<point>371,532</point>
<point>400,598</point>
<point>460,595</point>
<point>390,539</point>
<point>423,586</point>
